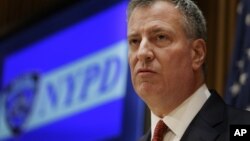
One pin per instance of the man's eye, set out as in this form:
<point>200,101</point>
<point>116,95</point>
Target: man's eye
<point>134,42</point>
<point>161,40</point>
<point>161,37</point>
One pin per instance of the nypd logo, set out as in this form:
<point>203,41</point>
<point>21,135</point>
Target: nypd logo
<point>76,87</point>
<point>19,99</point>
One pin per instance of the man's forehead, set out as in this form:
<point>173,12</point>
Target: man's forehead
<point>160,16</point>
<point>152,26</point>
<point>160,6</point>
<point>158,10</point>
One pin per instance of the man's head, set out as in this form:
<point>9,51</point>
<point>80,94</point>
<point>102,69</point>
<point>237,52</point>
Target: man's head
<point>194,22</point>
<point>166,51</point>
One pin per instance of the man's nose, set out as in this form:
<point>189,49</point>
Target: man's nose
<point>145,52</point>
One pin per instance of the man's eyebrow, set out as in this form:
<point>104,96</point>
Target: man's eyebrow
<point>132,34</point>
<point>157,28</point>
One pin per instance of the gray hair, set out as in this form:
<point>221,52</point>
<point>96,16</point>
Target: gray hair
<point>194,21</point>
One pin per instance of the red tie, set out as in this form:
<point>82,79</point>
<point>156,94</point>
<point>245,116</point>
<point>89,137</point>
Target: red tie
<point>160,130</point>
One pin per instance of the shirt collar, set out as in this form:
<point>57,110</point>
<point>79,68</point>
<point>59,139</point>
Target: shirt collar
<point>179,119</point>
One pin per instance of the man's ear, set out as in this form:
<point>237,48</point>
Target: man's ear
<point>199,51</point>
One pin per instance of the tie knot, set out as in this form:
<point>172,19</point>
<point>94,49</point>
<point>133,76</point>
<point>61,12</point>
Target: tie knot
<point>160,130</point>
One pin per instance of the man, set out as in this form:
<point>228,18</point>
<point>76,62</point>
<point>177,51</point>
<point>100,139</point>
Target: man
<point>167,50</point>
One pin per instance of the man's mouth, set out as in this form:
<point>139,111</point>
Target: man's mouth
<point>143,71</point>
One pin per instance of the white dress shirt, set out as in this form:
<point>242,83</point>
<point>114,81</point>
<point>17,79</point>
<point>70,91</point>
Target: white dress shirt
<point>179,119</point>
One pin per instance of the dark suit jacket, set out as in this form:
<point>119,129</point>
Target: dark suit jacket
<point>212,121</point>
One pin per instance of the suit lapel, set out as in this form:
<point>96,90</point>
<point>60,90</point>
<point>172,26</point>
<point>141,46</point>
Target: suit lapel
<point>210,122</point>
<point>146,137</point>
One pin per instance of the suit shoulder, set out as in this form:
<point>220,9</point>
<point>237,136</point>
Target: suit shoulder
<point>238,116</point>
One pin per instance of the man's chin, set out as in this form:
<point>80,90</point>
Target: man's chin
<point>146,93</point>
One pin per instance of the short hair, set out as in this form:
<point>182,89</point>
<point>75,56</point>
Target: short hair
<point>194,21</point>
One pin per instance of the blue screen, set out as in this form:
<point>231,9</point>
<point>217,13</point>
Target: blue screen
<point>70,85</point>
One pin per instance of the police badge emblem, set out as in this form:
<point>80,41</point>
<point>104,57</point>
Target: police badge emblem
<point>19,98</point>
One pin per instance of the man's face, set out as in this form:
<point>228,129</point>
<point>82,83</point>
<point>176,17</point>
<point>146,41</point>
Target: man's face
<point>160,55</point>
